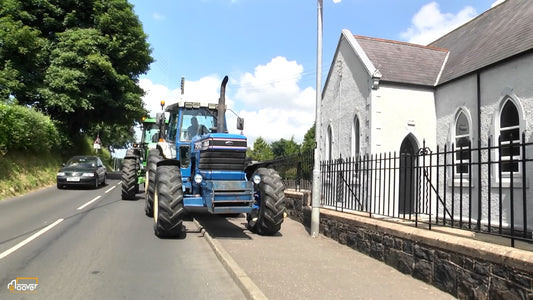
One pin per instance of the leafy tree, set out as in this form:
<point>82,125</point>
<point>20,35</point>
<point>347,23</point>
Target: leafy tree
<point>309,140</point>
<point>77,60</point>
<point>262,150</point>
<point>285,147</point>
<point>114,135</point>
<point>19,54</point>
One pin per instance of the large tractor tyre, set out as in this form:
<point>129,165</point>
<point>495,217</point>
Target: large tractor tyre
<point>168,202</point>
<point>268,218</point>
<point>154,156</point>
<point>129,178</point>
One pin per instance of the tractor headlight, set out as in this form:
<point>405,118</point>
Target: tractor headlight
<point>198,178</point>
<point>256,179</point>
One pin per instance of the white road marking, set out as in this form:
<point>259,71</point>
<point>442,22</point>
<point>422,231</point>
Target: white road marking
<point>88,203</point>
<point>110,189</point>
<point>42,231</point>
<point>31,238</point>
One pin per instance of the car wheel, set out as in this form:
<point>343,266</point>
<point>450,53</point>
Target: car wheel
<point>96,183</point>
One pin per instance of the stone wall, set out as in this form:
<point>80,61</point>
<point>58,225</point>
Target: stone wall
<point>461,266</point>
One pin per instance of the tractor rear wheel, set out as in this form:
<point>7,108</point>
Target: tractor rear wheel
<point>154,156</point>
<point>268,218</point>
<point>129,178</point>
<point>168,202</point>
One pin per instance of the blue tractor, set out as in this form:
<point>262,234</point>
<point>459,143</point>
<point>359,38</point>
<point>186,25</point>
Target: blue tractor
<point>198,166</point>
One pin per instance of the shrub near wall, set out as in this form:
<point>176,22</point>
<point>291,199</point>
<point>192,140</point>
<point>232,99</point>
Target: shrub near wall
<point>24,129</point>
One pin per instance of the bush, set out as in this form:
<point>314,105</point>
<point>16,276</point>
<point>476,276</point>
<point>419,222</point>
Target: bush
<point>24,129</point>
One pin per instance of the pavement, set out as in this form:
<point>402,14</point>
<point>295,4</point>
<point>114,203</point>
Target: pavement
<point>294,265</point>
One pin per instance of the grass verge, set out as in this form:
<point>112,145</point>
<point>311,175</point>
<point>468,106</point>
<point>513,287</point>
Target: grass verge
<point>22,172</point>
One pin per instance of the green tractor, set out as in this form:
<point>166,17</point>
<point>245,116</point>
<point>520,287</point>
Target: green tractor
<point>134,164</point>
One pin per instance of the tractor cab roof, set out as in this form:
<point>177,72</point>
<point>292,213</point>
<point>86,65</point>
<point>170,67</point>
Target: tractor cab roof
<point>176,106</point>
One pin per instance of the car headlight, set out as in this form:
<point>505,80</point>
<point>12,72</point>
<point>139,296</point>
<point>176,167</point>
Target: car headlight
<point>87,174</point>
<point>198,178</point>
<point>256,179</point>
<point>60,173</point>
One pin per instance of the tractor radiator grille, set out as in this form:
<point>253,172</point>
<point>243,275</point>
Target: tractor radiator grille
<point>222,159</point>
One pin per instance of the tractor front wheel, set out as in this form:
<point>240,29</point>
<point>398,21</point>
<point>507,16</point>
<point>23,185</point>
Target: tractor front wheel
<point>168,202</point>
<point>271,197</point>
<point>129,178</point>
<point>154,156</point>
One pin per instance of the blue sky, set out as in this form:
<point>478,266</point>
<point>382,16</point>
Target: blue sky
<point>268,49</point>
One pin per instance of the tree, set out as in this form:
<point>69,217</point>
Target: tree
<point>309,142</point>
<point>114,135</point>
<point>285,147</point>
<point>19,53</point>
<point>79,61</point>
<point>262,150</point>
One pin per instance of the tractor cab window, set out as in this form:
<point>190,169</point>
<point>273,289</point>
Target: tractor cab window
<point>196,122</point>
<point>151,132</point>
<point>172,126</point>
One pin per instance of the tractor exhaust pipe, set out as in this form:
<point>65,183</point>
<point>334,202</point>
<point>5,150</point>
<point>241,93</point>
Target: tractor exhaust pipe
<point>221,120</point>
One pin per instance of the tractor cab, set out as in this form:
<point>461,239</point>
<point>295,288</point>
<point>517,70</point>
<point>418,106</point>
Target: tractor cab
<point>150,132</point>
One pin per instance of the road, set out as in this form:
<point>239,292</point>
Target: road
<point>90,244</point>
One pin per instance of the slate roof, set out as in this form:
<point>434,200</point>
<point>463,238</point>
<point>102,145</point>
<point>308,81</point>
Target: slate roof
<point>404,62</point>
<point>501,32</point>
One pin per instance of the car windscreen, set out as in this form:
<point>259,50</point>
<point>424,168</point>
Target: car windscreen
<point>82,162</point>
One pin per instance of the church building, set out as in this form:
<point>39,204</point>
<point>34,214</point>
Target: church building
<point>472,87</point>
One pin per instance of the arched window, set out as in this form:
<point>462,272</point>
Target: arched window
<point>509,136</point>
<point>329,143</point>
<point>355,137</point>
<point>462,142</point>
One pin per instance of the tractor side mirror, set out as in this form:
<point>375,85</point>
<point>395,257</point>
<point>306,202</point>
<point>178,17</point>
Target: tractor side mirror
<point>240,123</point>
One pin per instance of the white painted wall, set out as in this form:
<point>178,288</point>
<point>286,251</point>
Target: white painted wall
<point>345,95</point>
<point>398,111</point>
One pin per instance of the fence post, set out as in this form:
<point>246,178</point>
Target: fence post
<point>524,200</point>
<point>479,193</point>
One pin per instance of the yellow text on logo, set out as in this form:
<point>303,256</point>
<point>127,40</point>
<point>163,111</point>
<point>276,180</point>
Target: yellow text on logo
<point>23,285</point>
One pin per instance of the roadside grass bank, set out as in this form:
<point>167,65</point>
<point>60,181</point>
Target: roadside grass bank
<point>22,172</point>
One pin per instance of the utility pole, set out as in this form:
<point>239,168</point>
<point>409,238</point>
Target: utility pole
<point>315,200</point>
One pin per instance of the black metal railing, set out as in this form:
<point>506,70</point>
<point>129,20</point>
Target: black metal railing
<point>483,189</point>
<point>296,170</point>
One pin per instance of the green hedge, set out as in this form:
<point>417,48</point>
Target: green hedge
<point>24,129</point>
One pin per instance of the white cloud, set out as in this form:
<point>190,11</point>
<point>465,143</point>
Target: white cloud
<point>154,93</point>
<point>429,23</point>
<point>204,90</point>
<point>159,17</point>
<point>337,1</point>
<point>274,105</point>
<point>270,100</point>
<point>497,3</point>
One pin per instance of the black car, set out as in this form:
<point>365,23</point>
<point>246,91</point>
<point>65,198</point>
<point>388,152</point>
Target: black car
<point>82,170</point>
